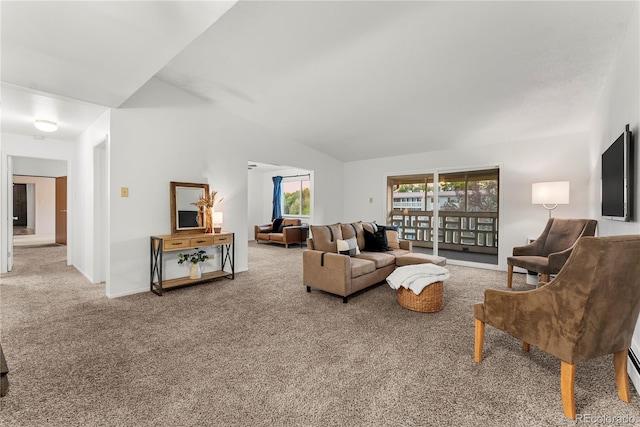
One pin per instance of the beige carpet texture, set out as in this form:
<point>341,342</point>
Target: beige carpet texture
<point>261,351</point>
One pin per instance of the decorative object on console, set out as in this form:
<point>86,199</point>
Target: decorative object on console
<point>550,194</point>
<point>195,259</point>
<point>207,202</point>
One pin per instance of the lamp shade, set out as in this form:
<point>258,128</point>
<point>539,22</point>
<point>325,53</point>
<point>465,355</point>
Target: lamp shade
<point>550,193</point>
<point>217,218</point>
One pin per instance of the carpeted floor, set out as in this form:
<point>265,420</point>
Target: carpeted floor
<point>261,351</point>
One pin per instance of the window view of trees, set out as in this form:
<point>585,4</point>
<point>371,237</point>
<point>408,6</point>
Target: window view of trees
<point>475,191</point>
<point>296,197</point>
<point>469,193</point>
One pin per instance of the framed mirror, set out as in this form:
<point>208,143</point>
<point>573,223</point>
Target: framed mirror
<point>186,217</point>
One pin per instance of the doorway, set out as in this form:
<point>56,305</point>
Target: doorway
<point>61,210</point>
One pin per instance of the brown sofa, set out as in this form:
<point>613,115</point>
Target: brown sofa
<point>325,269</point>
<point>286,236</point>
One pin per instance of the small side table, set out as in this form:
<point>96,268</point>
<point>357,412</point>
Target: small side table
<point>304,232</point>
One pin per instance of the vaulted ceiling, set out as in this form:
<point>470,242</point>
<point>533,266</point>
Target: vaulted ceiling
<point>354,80</point>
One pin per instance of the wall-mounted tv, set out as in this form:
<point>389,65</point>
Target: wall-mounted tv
<point>618,176</point>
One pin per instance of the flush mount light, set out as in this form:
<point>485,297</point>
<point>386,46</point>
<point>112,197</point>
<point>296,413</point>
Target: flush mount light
<point>46,125</point>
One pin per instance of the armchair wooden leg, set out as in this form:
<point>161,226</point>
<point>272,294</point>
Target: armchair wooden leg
<point>479,341</point>
<point>567,381</point>
<point>544,277</point>
<point>526,346</point>
<point>509,275</point>
<point>622,380</point>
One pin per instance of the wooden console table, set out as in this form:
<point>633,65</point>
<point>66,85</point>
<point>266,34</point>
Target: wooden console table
<point>174,242</point>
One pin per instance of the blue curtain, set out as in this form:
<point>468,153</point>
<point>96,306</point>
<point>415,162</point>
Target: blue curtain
<point>277,198</point>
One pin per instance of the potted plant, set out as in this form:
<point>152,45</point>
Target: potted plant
<point>194,259</point>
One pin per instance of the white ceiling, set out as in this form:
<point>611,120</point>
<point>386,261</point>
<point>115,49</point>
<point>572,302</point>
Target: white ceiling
<point>67,61</point>
<point>352,79</point>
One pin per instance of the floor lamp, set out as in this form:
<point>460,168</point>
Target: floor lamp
<point>550,194</point>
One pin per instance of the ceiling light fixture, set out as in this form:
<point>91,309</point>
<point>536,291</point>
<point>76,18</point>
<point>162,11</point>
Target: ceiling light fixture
<point>46,125</point>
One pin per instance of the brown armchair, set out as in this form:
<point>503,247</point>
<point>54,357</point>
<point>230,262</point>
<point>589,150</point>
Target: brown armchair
<point>548,253</point>
<point>589,310</point>
<point>291,232</point>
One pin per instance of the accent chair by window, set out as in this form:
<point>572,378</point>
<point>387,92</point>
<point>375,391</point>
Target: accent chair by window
<point>547,254</point>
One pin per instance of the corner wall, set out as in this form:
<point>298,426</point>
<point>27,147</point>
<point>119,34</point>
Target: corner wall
<point>162,134</point>
<point>619,105</point>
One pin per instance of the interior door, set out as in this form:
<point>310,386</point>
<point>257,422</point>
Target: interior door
<point>10,213</point>
<point>61,210</point>
<point>19,205</point>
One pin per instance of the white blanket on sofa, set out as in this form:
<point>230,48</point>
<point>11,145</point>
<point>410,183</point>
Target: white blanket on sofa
<point>417,276</point>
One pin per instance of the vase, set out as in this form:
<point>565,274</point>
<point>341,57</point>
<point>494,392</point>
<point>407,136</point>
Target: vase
<point>208,221</point>
<point>195,272</point>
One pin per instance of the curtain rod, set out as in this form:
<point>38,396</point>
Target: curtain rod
<point>295,176</point>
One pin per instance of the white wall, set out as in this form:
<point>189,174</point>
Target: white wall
<point>45,202</point>
<point>82,198</point>
<point>39,167</point>
<point>558,158</point>
<point>162,134</point>
<point>619,105</point>
<point>27,146</point>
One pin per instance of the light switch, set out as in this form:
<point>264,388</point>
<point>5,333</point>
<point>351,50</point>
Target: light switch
<point>124,191</point>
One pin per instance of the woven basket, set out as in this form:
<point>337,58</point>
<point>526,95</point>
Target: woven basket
<point>430,300</point>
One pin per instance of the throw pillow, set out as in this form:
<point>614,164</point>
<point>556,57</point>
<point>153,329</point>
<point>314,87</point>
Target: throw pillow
<point>282,226</point>
<point>353,229</point>
<point>376,242</point>
<point>348,247</point>
<point>275,228</point>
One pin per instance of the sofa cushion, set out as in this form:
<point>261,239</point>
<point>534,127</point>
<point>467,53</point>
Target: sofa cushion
<point>370,226</point>
<point>360,267</point>
<point>398,252</point>
<point>348,246</point>
<point>379,258</point>
<point>376,241</point>
<point>392,238</point>
<point>262,236</point>
<point>276,237</point>
<point>326,236</point>
<point>353,229</point>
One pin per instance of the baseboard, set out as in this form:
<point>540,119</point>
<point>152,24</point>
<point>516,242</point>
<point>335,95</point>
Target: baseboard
<point>633,367</point>
<point>131,292</point>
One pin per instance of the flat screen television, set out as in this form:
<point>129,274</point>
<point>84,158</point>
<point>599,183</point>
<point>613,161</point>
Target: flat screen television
<point>618,178</point>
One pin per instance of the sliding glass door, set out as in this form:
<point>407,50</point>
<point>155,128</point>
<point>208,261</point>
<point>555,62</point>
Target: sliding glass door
<point>461,210</point>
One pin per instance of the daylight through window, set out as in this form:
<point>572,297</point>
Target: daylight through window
<point>296,195</point>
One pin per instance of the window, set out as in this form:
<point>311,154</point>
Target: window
<point>475,191</point>
<point>296,195</point>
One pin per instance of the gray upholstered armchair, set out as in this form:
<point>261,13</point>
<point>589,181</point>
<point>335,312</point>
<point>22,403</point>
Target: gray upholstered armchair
<point>548,253</point>
<point>589,310</point>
